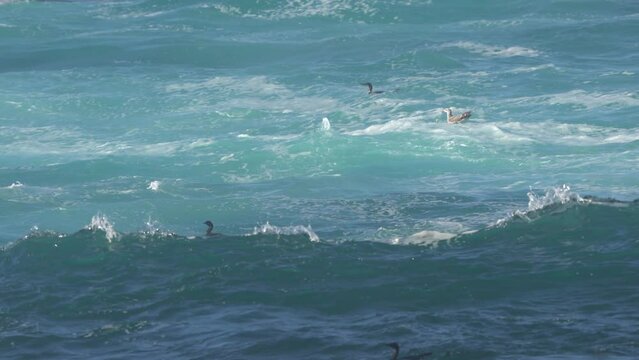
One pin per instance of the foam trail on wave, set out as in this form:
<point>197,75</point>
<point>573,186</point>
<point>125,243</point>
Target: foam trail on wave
<point>426,237</point>
<point>494,51</point>
<point>285,230</point>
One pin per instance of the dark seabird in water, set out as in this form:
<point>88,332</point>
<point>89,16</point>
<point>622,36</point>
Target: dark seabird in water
<point>209,231</point>
<point>395,347</point>
<point>454,119</point>
<point>370,88</point>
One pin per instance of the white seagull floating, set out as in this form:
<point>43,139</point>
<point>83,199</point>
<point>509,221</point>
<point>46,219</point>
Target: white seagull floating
<point>454,119</point>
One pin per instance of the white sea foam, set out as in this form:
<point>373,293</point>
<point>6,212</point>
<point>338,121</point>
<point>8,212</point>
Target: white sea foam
<point>570,134</point>
<point>136,15</point>
<point>154,185</point>
<point>594,99</point>
<point>326,124</point>
<point>402,124</point>
<point>167,148</point>
<point>528,69</point>
<point>227,158</point>
<point>492,23</point>
<point>304,8</point>
<point>285,230</point>
<point>423,122</point>
<point>283,104</point>
<point>501,132</point>
<point>255,93</point>
<point>581,98</point>
<point>493,51</point>
<point>623,73</point>
<point>15,184</point>
<point>224,9</point>
<point>251,85</point>
<point>426,237</point>
<point>101,222</point>
<point>77,146</point>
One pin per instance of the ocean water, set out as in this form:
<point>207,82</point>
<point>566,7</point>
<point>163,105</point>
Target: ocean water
<point>347,221</point>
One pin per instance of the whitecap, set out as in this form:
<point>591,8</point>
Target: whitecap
<point>558,195</point>
<point>255,93</point>
<point>555,195</point>
<point>304,9</point>
<point>396,125</point>
<point>15,184</point>
<point>154,185</point>
<point>594,99</point>
<point>528,69</point>
<point>285,230</point>
<point>570,134</point>
<point>227,158</point>
<point>493,51</point>
<point>326,124</point>
<point>252,85</point>
<point>492,23</point>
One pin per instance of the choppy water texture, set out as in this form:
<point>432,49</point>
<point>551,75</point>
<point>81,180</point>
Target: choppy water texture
<point>347,220</point>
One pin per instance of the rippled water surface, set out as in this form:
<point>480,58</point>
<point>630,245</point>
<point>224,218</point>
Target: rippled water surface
<point>346,220</point>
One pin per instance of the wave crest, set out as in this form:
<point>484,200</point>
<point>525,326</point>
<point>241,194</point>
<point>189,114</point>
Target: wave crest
<point>557,195</point>
<point>560,195</point>
<point>269,229</point>
<point>102,223</point>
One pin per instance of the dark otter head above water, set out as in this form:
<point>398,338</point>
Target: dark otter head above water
<point>395,347</point>
<point>370,88</point>
<point>209,231</point>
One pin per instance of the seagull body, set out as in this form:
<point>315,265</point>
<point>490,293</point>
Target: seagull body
<point>454,119</point>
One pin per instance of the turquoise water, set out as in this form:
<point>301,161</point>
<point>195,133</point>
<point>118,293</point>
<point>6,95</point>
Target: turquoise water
<point>348,220</point>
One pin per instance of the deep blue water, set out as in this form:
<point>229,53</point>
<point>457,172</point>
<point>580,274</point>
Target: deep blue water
<point>347,220</point>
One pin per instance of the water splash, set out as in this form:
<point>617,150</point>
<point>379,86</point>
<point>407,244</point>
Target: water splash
<point>560,195</point>
<point>15,184</point>
<point>557,195</point>
<point>153,228</point>
<point>154,185</point>
<point>326,125</point>
<point>101,222</point>
<point>286,230</point>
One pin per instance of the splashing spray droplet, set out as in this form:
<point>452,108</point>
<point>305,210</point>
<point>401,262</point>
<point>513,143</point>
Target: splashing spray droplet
<point>326,125</point>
